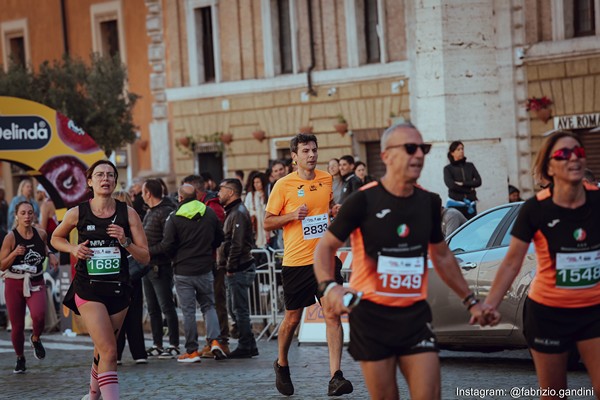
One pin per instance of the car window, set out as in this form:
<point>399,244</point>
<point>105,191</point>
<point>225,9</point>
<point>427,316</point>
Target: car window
<point>507,236</point>
<point>476,234</point>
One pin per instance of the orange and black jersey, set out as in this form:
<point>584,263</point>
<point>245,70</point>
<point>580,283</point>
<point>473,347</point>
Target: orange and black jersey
<point>567,246</point>
<point>390,237</point>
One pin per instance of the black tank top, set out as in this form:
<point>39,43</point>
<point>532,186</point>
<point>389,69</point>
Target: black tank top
<point>34,256</point>
<point>110,259</point>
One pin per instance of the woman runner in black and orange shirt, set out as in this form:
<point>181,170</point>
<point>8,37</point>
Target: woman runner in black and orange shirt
<point>563,304</point>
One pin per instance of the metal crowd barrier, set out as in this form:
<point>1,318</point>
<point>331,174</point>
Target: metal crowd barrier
<point>274,293</point>
<point>263,302</point>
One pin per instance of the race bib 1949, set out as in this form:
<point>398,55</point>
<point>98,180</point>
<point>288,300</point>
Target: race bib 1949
<point>577,270</point>
<point>314,227</point>
<point>106,260</point>
<point>400,277</point>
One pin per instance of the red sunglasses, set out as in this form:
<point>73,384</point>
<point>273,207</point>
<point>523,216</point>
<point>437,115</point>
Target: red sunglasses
<point>565,153</point>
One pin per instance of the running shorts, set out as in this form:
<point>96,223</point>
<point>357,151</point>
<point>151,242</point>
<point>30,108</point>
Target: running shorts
<point>553,330</point>
<point>378,332</point>
<point>300,285</point>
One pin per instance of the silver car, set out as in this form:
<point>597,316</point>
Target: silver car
<point>479,246</point>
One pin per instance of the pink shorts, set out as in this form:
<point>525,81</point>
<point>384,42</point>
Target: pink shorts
<point>79,301</point>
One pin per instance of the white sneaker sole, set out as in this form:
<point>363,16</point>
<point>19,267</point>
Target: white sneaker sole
<point>189,360</point>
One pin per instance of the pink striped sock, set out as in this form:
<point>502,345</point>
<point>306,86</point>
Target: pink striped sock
<point>109,385</point>
<point>94,387</point>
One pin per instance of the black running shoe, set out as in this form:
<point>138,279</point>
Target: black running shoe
<point>283,381</point>
<point>38,348</point>
<point>338,385</point>
<point>20,367</point>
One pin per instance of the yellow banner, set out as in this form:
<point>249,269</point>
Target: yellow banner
<point>49,146</point>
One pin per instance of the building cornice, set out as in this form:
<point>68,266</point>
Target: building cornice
<point>286,82</point>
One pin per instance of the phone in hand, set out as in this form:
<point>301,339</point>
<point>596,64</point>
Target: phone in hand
<point>351,300</point>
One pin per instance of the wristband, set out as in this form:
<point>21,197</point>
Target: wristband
<point>472,303</point>
<point>329,287</point>
<point>324,287</point>
<point>467,299</point>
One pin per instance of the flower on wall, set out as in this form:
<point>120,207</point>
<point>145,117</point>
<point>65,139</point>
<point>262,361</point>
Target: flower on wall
<point>538,103</point>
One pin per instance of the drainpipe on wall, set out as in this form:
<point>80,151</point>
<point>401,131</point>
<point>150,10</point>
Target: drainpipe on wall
<point>63,13</point>
<point>310,90</point>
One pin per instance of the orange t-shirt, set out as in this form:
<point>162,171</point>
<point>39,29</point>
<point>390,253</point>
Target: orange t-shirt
<point>300,238</point>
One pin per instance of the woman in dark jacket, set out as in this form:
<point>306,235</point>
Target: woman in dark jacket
<point>462,178</point>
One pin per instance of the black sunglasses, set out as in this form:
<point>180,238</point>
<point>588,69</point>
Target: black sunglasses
<point>411,148</point>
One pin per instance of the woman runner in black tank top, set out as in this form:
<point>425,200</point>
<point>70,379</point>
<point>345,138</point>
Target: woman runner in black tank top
<point>108,231</point>
<point>22,257</point>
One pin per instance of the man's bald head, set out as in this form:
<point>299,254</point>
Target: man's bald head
<point>187,191</point>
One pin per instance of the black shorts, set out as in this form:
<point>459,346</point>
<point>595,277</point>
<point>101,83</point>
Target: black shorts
<point>300,285</point>
<point>378,332</point>
<point>553,330</point>
<point>82,288</point>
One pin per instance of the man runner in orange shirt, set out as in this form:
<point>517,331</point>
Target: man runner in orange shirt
<point>300,204</point>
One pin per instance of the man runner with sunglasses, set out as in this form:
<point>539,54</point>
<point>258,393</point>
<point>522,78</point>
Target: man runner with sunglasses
<point>300,204</point>
<point>393,225</point>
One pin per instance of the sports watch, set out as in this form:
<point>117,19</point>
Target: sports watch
<point>126,244</point>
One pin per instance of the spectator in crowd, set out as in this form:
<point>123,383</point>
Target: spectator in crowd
<point>589,177</point>
<point>24,250</point>
<point>351,181</point>
<point>135,192</point>
<point>333,167</point>
<point>211,199</point>
<point>452,219</point>
<point>514,194</point>
<point>132,329</point>
<point>24,193</point>
<point>158,282</point>
<point>210,185</point>
<point>360,170</point>
<point>192,234</point>
<point>3,211</point>
<point>239,175</point>
<point>48,220</point>
<point>461,178</point>
<point>104,225</point>
<point>235,256</point>
<point>278,171</point>
<point>255,202</point>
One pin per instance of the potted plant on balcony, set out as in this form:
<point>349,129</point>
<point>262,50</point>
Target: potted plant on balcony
<point>540,106</point>
<point>342,125</point>
<point>259,135</point>
<point>186,144</point>
<point>225,137</point>
<point>307,129</point>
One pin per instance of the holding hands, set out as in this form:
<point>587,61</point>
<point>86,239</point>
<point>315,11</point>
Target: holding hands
<point>486,315</point>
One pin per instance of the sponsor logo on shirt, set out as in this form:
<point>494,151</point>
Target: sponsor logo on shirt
<point>90,228</point>
<point>553,223</point>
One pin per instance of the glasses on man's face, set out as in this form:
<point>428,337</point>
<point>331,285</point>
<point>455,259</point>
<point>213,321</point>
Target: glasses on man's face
<point>101,175</point>
<point>565,153</point>
<point>411,148</point>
